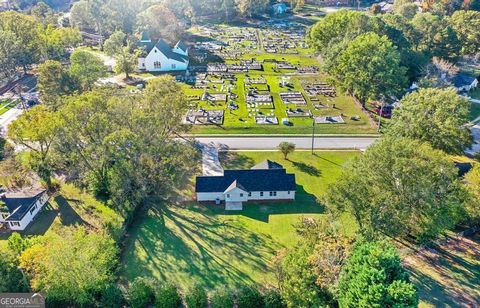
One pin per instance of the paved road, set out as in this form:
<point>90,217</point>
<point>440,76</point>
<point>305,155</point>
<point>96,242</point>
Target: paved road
<point>476,137</point>
<point>258,143</point>
<point>8,117</point>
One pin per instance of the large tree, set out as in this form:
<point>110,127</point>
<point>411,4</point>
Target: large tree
<point>25,30</point>
<point>71,267</point>
<point>435,36</point>
<point>36,130</point>
<point>54,81</point>
<point>251,7</point>
<point>436,116</point>
<point>373,277</point>
<point>86,68</point>
<point>160,22</point>
<point>467,27</point>
<point>369,67</point>
<point>400,187</point>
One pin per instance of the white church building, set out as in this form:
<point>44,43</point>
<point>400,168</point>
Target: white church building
<point>160,57</point>
<point>267,181</point>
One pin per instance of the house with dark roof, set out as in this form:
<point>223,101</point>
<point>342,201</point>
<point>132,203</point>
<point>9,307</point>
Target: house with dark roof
<point>463,82</point>
<point>267,181</point>
<point>160,57</point>
<point>18,208</point>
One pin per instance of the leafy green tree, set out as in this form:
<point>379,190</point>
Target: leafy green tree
<point>71,267</point>
<point>28,42</point>
<point>298,281</point>
<point>373,277</point>
<point>435,36</point>
<point>125,62</point>
<point>436,116</point>
<point>114,44</point>
<point>36,130</point>
<point>466,25</point>
<point>333,28</point>
<point>472,179</point>
<point>56,41</point>
<point>9,48</point>
<point>160,22</point>
<point>140,293</point>
<point>286,148</point>
<point>112,297</point>
<point>249,297</point>
<point>12,279</point>
<point>400,187</point>
<point>167,297</point>
<point>17,244</point>
<point>196,297</point>
<point>54,81</point>
<point>251,7</point>
<point>86,68</point>
<point>369,67</point>
<point>221,297</point>
<point>273,299</point>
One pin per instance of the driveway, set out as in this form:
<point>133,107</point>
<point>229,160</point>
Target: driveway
<point>476,137</point>
<point>8,117</point>
<point>210,162</point>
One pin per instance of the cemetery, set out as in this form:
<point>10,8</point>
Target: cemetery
<point>262,79</point>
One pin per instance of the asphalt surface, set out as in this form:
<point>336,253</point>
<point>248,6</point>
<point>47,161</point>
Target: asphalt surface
<point>8,117</point>
<point>272,142</point>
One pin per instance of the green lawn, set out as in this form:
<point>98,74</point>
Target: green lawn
<point>191,243</point>
<point>474,111</point>
<point>5,106</point>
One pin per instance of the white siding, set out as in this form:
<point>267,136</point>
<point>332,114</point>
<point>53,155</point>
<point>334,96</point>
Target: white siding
<point>255,196</point>
<point>236,195</point>
<point>210,196</point>
<point>30,215</point>
<point>167,64</point>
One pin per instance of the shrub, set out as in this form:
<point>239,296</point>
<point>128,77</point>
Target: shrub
<point>196,297</point>
<point>273,299</point>
<point>140,293</point>
<point>112,297</point>
<point>167,297</point>
<point>249,297</point>
<point>221,298</point>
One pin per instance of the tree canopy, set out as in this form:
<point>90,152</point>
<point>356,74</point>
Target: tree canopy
<point>436,116</point>
<point>374,277</point>
<point>400,187</point>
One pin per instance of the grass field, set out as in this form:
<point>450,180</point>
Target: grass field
<point>5,106</point>
<point>190,243</point>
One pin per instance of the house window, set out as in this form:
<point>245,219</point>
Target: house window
<point>14,223</point>
<point>273,194</point>
<point>33,209</point>
<point>228,195</point>
<point>288,192</point>
<point>249,194</point>
<point>157,64</point>
<point>261,194</point>
<point>174,66</point>
<point>241,195</point>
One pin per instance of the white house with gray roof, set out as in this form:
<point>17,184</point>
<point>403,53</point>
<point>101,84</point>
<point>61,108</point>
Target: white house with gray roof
<point>160,57</point>
<point>18,208</point>
<point>267,181</point>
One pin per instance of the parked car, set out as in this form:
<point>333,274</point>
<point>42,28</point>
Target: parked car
<point>385,111</point>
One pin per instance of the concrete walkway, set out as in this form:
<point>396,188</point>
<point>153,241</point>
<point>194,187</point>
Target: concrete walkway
<point>210,163</point>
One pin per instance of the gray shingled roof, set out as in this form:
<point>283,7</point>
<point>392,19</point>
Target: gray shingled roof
<point>181,45</point>
<point>251,180</point>
<point>18,204</point>
<point>268,164</point>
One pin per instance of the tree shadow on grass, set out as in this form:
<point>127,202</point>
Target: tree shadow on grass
<point>306,168</point>
<point>186,245</point>
<point>233,160</point>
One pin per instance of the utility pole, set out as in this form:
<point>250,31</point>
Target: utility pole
<point>313,135</point>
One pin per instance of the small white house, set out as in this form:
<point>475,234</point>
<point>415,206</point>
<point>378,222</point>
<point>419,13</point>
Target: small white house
<point>464,83</point>
<point>160,57</point>
<point>19,208</point>
<point>267,181</point>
